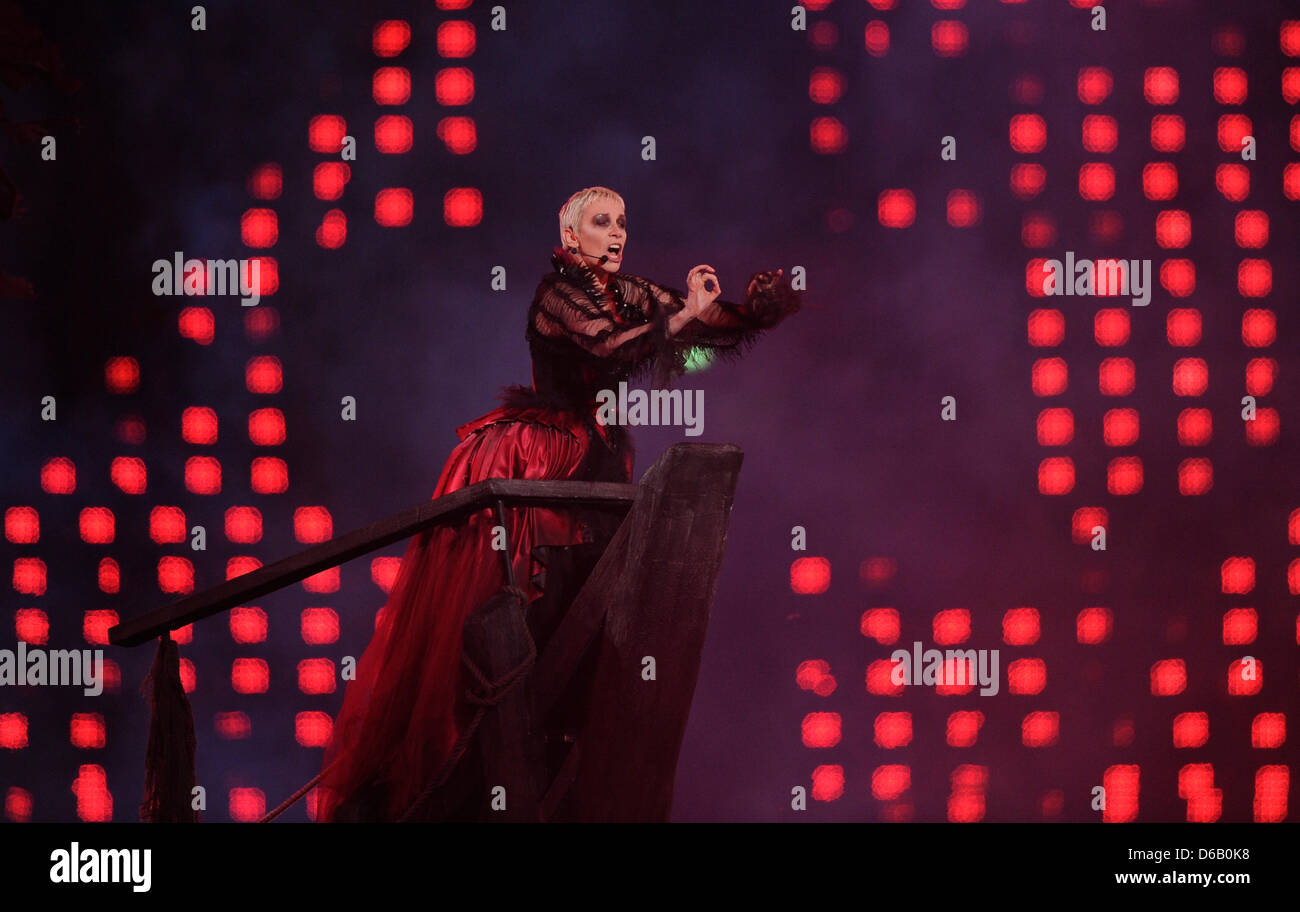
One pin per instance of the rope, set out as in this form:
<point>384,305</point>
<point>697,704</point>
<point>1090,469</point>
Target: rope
<point>486,695</point>
<point>293,799</point>
<point>483,694</point>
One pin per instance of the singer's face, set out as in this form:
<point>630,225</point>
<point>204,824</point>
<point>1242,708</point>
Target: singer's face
<point>603,230</point>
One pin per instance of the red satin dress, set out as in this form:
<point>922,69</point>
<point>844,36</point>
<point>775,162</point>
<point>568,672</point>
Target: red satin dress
<point>402,714</point>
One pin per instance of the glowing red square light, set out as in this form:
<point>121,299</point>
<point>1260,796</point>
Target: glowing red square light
<point>825,85</point>
<point>266,427</point>
<point>1124,475</point>
<point>391,85</point>
<point>31,625</point>
<point>312,524</point>
<point>1055,427</point>
<point>1046,327</point>
<point>1258,328</point>
<point>458,134</point>
<point>266,181</point>
<point>1233,129</point>
<point>319,626</point>
<point>13,732</point>
<point>1173,228</point>
<point>248,624</point>
<point>87,731</point>
<point>244,525</point>
<point>1110,326</point>
<point>259,228</point>
<point>1094,625</point>
<point>1261,373</point>
<point>462,207</point>
<point>1254,278</point>
<point>1160,181</point>
<point>827,136</point>
<point>390,37</point>
<point>1027,180</point>
<point>1291,85</point>
<point>333,230</point>
<point>881,624</point>
<point>1094,85</point>
<point>1116,377</point>
<point>1050,376</point>
<point>951,625</point>
<point>325,133</point>
<point>394,207</point>
<point>821,729</point>
<point>893,730</point>
<point>1168,677</point>
<point>1245,677</point>
<point>175,575</point>
<point>454,86</point>
<point>108,575</point>
<point>1027,677</point>
<point>1237,575</point>
<point>1195,477</point>
<point>890,781</point>
<point>1178,277</point>
<point>1183,326</point>
<point>196,323</point>
<point>1100,133</point>
<point>1232,181</point>
<point>329,178</point>
<point>1230,85</point>
<point>876,38</point>
<point>1191,377</point>
<point>1251,228</point>
<point>199,425</point>
<point>122,375</point>
<point>963,728</point>
<point>1120,427</point>
<point>394,134</point>
<point>59,476</point>
<point>949,38</point>
<point>896,208</point>
<point>1028,133</point>
<point>1160,85</point>
<point>247,805</point>
<point>1240,626</point>
<point>1168,133</point>
<point>1268,731</point>
<point>1037,230</point>
<point>1056,476</point>
<point>1195,427</point>
<point>810,575</point>
<point>262,374</point>
<point>456,38</point>
<point>98,525</point>
<point>828,782</point>
<point>313,729</point>
<point>1191,729</point>
<point>22,525</point>
<point>1263,430</point>
<point>1040,729</point>
<point>325,581</point>
<point>250,676</point>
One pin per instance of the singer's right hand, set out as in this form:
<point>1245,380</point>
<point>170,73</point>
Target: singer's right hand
<point>699,297</point>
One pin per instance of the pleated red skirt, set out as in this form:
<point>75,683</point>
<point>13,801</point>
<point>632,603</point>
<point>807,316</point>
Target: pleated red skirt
<point>403,712</point>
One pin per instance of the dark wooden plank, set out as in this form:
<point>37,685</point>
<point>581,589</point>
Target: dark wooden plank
<point>285,572</point>
<point>499,645</point>
<point>654,586</point>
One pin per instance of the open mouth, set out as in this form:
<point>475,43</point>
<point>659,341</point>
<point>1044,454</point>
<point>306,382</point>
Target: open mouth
<point>615,251</point>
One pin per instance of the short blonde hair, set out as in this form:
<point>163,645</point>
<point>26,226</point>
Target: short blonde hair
<point>571,211</point>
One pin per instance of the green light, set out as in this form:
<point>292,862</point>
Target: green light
<point>697,359</point>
